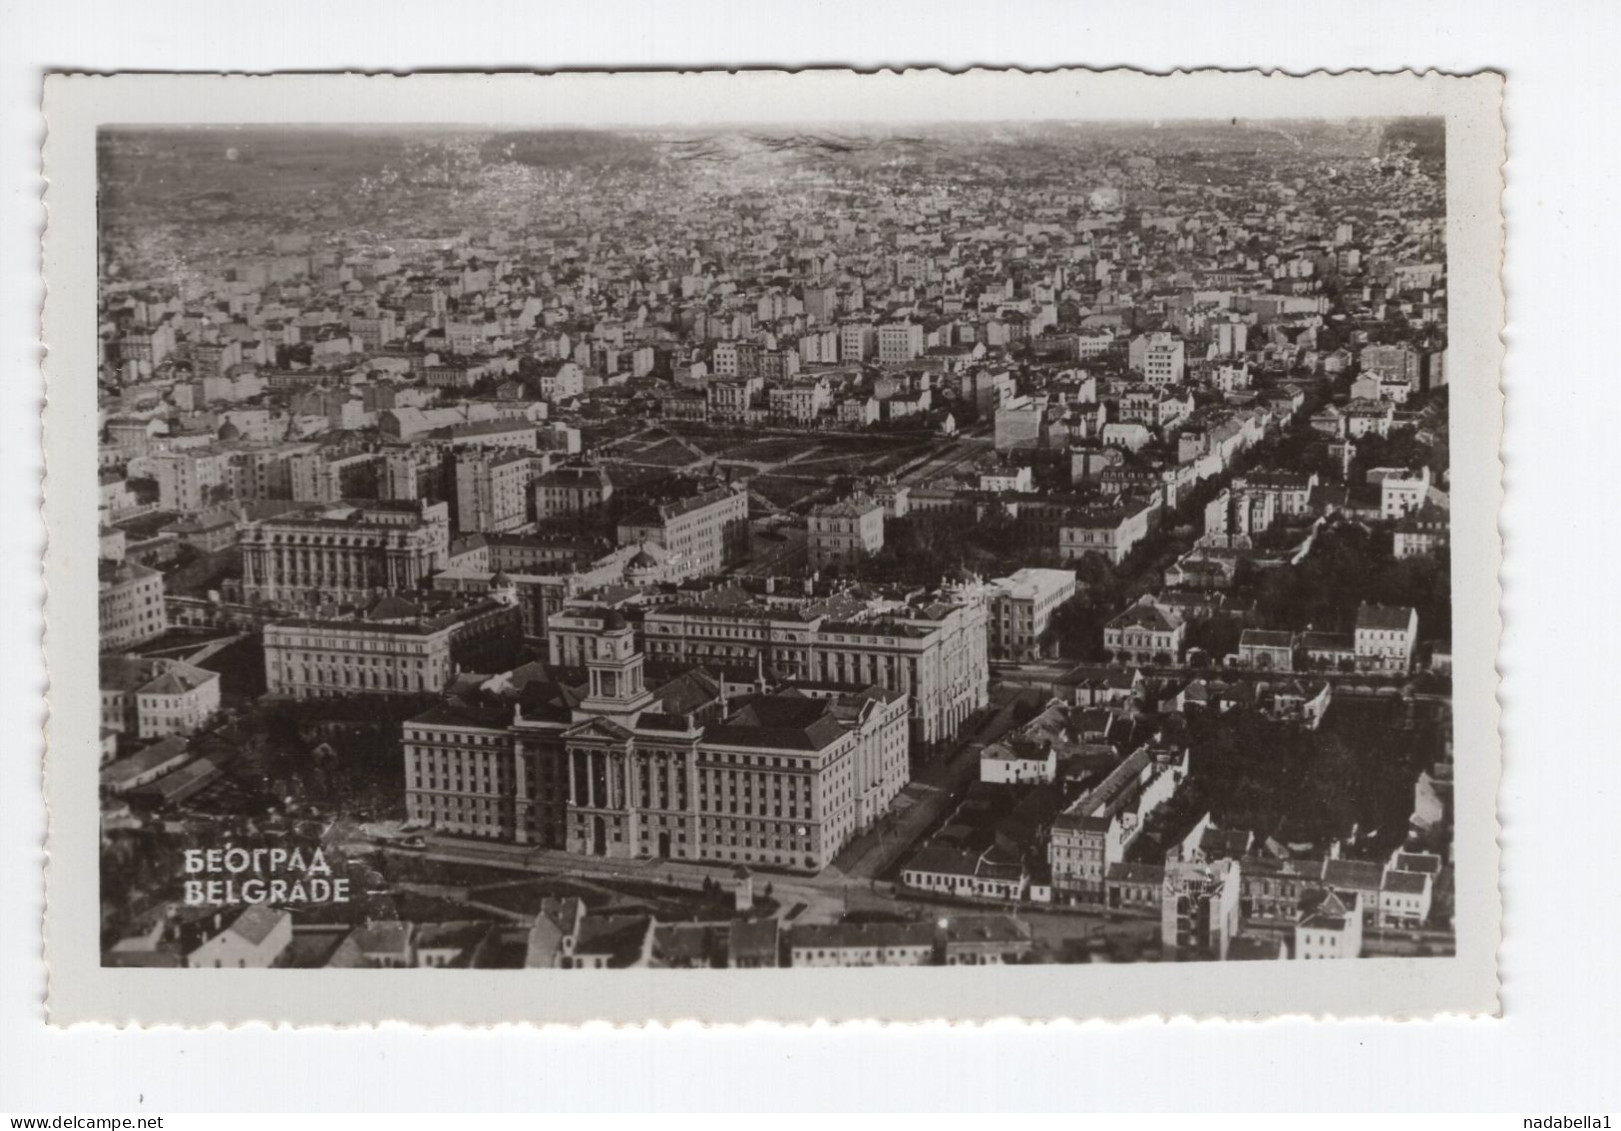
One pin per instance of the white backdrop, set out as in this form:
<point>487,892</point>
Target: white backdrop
<point>1556,1049</point>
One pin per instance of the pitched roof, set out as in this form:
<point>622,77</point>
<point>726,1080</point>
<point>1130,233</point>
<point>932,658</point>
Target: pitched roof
<point>1383,617</point>
<point>1327,642</point>
<point>177,680</point>
<point>945,860</point>
<point>688,691</point>
<point>756,939</point>
<point>159,753</point>
<point>1128,873</point>
<point>256,923</point>
<point>1406,883</point>
<point>1147,616</point>
<point>573,475</point>
<point>1427,862</point>
<point>153,676</point>
<point>1359,874</point>
<point>844,936</point>
<point>986,928</point>
<point>620,938</point>
<point>684,943</point>
<point>392,607</point>
<point>779,722</point>
<point>386,936</point>
<point>1265,638</point>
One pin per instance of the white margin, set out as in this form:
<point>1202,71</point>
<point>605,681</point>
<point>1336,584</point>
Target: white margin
<point>82,990</point>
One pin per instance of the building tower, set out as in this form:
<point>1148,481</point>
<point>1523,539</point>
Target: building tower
<point>615,670</point>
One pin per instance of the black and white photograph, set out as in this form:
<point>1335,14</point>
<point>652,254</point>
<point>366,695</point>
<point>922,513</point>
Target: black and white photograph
<point>850,545</point>
<point>873,559</point>
<point>970,544</point>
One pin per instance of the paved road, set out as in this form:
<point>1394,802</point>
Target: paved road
<point>848,883</point>
<point>1042,674</point>
<point>934,789</point>
<point>822,894</point>
<point>1052,927</point>
<point>917,807</point>
<point>949,455</point>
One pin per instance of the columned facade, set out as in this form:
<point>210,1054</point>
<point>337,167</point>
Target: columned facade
<point>342,555</point>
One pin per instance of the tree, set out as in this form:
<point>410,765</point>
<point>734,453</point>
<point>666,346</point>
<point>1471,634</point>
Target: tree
<point>1216,635</point>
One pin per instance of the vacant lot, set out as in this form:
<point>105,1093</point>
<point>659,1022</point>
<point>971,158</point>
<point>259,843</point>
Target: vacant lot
<point>524,897</point>
<point>665,453</point>
<point>842,460</point>
<point>783,489</point>
<point>772,449</point>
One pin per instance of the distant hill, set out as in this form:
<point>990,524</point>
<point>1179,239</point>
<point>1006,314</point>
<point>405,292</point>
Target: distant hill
<point>1427,136</point>
<point>570,149</point>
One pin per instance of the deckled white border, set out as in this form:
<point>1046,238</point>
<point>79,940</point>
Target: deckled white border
<point>81,990</point>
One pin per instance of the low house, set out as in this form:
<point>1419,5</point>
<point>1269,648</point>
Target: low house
<point>843,533</point>
<point>322,946</point>
<point>154,698</point>
<point>1385,637</point>
<point>1422,533</point>
<point>984,940</point>
<point>861,944</point>
<point>253,939</point>
<point>753,945</point>
<point>610,942</point>
<point>1018,760</point>
<point>1257,948</point>
<point>1404,899</point>
<point>945,870</point>
<point>145,766</point>
<point>1274,888</point>
<point>1109,532</point>
<point>1363,877</point>
<point>1305,703</point>
<point>1402,491</point>
<point>1100,826</point>
<point>555,920</point>
<point>1331,651</point>
<point>1267,649</point>
<point>1428,863</point>
<point>453,945</point>
<point>1145,634</point>
<point>688,946</point>
<point>1202,569</point>
<point>683,404</point>
<point>1136,887</point>
<point>386,944</point>
<point>1087,687</point>
<point>1330,926</point>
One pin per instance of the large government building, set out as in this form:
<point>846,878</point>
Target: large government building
<point>695,769</point>
<point>344,552</point>
<point>934,653</point>
<point>390,647</point>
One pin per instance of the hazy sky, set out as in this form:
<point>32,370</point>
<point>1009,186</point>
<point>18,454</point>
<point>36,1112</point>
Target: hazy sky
<point>717,98</point>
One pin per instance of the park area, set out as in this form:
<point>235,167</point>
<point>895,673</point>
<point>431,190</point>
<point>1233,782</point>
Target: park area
<point>423,887</point>
<point>1352,780</point>
<point>809,453</point>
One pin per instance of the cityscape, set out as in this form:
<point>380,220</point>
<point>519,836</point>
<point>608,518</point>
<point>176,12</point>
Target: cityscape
<point>753,547</point>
